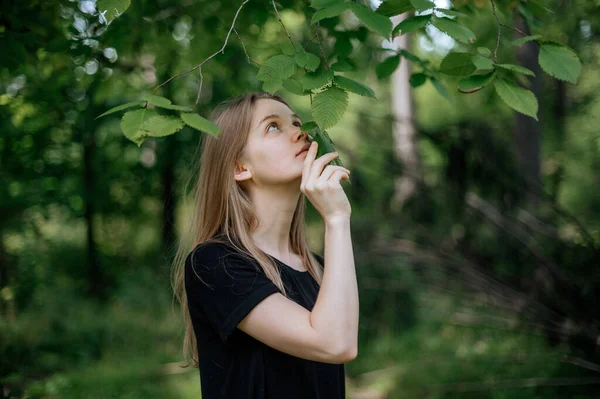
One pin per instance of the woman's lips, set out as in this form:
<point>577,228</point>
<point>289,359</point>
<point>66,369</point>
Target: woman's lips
<point>302,152</point>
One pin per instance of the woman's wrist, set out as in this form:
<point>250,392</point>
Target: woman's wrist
<point>337,220</point>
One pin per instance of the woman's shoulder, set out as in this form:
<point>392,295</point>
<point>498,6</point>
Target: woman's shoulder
<point>210,248</point>
<point>213,252</point>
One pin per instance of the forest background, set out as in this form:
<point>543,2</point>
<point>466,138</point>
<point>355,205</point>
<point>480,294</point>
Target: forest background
<point>475,223</point>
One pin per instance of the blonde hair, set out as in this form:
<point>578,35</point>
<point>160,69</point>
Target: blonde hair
<point>222,210</point>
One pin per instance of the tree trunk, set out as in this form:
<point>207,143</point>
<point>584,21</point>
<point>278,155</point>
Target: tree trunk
<point>527,133</point>
<point>168,194</point>
<point>88,139</point>
<point>404,130</point>
<point>168,180</point>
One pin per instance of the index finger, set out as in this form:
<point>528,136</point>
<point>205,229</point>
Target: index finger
<point>310,158</point>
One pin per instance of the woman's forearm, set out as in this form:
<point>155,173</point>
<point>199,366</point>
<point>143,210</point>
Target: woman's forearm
<point>335,314</point>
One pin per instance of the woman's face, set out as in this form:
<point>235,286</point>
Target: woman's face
<point>274,140</point>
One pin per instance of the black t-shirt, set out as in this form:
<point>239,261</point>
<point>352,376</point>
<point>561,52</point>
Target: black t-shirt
<point>232,363</point>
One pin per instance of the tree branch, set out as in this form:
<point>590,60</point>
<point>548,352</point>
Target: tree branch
<point>498,37</point>
<point>308,42</point>
<point>321,47</point>
<point>199,66</point>
<point>517,29</point>
<point>281,22</point>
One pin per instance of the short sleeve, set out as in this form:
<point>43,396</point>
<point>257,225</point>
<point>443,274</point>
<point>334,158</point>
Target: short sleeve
<point>224,285</point>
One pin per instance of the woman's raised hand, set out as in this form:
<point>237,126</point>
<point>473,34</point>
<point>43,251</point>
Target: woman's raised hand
<point>322,186</point>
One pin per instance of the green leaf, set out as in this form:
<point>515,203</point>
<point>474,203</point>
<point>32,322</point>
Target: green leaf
<point>308,126</point>
<point>272,86</point>
<point>391,8</point>
<point>158,101</point>
<point>161,125</point>
<point>411,24</point>
<point>165,103</point>
<point>410,56</point>
<point>323,3</point>
<point>329,12</point>
<point>121,107</point>
<point>342,66</point>
<point>288,49</point>
<point>475,81</point>
<point>519,99</point>
<point>131,124</point>
<point>111,9</point>
<point>457,64</point>
<point>523,40</point>
<point>387,66</point>
<point>326,146</point>
<point>422,5</point>
<point>484,51</point>
<point>560,61</point>
<point>539,9</point>
<point>200,123</point>
<point>329,106</point>
<point>294,86</point>
<point>317,80</point>
<point>516,68</point>
<point>173,107</point>
<point>454,29</point>
<point>440,88</point>
<point>481,62</point>
<point>452,13</point>
<point>312,62</point>
<point>353,86</point>
<point>308,60</point>
<point>376,22</point>
<point>278,67</point>
<point>343,45</point>
<point>417,79</point>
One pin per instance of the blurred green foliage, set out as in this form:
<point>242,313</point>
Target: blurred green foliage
<point>475,284</point>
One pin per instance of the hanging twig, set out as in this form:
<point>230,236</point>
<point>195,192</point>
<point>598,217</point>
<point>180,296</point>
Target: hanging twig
<point>248,56</point>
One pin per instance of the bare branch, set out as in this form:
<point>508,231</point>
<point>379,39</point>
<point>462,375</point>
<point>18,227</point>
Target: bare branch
<point>308,42</point>
<point>199,66</point>
<point>498,37</point>
<point>321,47</point>
<point>517,29</point>
<point>281,22</point>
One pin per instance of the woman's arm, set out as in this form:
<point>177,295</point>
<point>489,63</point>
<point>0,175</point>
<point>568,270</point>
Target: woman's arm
<point>329,333</point>
<point>335,314</point>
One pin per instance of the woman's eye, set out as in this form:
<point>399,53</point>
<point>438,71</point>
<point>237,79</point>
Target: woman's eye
<point>299,124</point>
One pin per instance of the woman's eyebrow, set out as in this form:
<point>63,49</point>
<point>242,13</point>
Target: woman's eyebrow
<point>276,116</point>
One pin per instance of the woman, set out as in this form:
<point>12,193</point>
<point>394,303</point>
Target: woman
<point>264,317</point>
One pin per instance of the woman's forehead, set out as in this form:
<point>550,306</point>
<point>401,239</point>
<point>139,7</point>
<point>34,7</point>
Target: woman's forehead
<point>267,106</point>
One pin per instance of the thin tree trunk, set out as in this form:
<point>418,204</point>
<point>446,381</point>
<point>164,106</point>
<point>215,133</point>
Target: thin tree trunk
<point>404,130</point>
<point>96,279</point>
<point>168,194</point>
<point>7,299</point>
<point>168,181</point>
<point>86,127</point>
<point>527,133</point>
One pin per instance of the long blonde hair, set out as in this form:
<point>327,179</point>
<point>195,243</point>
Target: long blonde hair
<point>222,210</point>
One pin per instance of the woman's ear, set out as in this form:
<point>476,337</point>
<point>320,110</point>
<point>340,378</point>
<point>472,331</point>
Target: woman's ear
<point>241,173</point>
